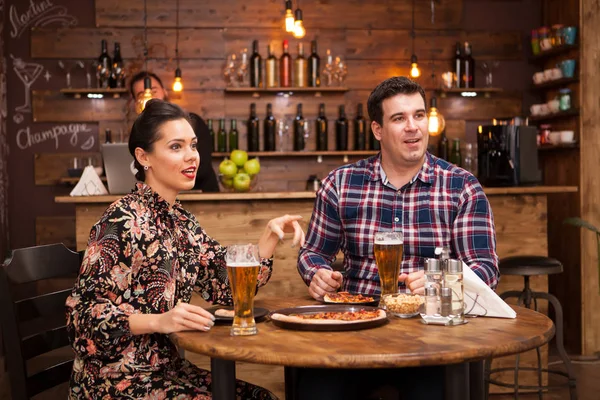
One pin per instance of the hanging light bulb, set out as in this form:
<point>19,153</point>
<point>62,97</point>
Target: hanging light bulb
<point>415,72</point>
<point>289,17</point>
<point>299,30</point>
<point>436,120</point>
<point>177,83</point>
<point>144,97</point>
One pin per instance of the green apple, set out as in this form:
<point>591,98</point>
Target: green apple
<point>227,182</point>
<point>239,157</point>
<point>241,182</point>
<point>252,167</point>
<point>228,168</point>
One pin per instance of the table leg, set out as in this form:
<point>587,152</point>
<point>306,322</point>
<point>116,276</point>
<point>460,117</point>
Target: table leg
<point>457,382</point>
<point>290,376</point>
<point>223,379</point>
<point>477,380</point>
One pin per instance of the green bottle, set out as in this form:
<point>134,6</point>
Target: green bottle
<point>233,136</point>
<point>212,135</point>
<point>455,157</point>
<point>222,137</point>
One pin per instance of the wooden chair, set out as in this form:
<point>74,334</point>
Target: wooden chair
<point>34,284</point>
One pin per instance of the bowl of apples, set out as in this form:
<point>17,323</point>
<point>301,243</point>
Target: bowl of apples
<point>238,173</point>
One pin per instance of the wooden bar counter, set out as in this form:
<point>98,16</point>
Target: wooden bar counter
<point>520,215</point>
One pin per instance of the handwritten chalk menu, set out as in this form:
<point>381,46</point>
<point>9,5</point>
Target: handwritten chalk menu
<point>64,138</point>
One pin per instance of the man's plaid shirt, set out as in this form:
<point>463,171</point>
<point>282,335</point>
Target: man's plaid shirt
<point>443,205</point>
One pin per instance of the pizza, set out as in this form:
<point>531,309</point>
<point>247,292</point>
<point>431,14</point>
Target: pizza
<point>346,297</point>
<point>337,317</point>
<point>225,313</point>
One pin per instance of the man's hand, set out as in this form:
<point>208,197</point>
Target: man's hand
<point>324,281</point>
<point>414,281</point>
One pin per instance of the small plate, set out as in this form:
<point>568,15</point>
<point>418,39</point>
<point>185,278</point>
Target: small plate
<point>259,313</point>
<point>375,301</point>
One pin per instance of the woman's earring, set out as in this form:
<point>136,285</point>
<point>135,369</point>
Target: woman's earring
<point>145,168</point>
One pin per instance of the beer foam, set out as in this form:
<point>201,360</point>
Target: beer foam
<point>244,264</point>
<point>389,242</point>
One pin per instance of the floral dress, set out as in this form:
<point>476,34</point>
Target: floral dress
<point>144,257</point>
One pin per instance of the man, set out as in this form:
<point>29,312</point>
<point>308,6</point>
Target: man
<point>206,180</point>
<point>405,188</point>
<point>433,202</point>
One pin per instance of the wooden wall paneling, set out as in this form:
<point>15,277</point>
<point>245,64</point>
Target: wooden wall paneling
<point>589,25</point>
<point>50,167</point>
<point>59,43</point>
<point>269,13</point>
<point>197,74</point>
<point>499,105</point>
<point>49,230</point>
<point>119,129</point>
<point>438,44</point>
<point>367,74</point>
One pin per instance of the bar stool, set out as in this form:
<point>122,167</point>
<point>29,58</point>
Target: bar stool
<point>528,266</point>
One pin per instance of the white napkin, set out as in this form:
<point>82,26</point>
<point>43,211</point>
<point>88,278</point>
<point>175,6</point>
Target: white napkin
<point>89,184</point>
<point>481,300</point>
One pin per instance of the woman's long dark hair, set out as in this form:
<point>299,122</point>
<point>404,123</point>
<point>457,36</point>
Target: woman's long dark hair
<point>146,128</point>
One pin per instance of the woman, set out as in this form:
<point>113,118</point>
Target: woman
<point>144,257</point>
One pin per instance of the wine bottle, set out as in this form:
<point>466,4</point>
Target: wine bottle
<point>255,67</point>
<point>341,131</point>
<point>314,79</point>
<point>443,147</point>
<point>253,134</point>
<point>270,69</point>
<point>269,129</point>
<point>458,66</point>
<point>300,70</point>
<point>321,129</point>
<point>107,136</point>
<point>469,67</point>
<point>285,67</point>
<point>233,136</point>
<point>222,137</point>
<point>455,156</point>
<point>117,74</point>
<point>299,130</point>
<point>360,129</point>
<point>104,67</point>
<point>212,135</point>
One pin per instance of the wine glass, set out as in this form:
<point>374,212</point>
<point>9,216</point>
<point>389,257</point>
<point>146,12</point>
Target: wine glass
<point>328,71</point>
<point>488,70</point>
<point>340,71</point>
<point>242,69</point>
<point>282,134</point>
<point>306,125</point>
<point>229,69</point>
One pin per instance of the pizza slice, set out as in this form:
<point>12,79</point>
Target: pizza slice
<point>339,317</point>
<point>346,297</point>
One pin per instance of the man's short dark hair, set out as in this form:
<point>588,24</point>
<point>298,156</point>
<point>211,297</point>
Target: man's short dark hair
<point>389,88</point>
<point>140,77</point>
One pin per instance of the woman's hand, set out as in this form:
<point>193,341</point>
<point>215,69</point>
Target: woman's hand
<point>182,317</point>
<point>276,230</point>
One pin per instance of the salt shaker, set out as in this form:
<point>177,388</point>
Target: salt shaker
<point>433,273</point>
<point>446,302</point>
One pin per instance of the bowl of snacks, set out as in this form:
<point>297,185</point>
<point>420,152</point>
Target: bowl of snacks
<point>403,305</point>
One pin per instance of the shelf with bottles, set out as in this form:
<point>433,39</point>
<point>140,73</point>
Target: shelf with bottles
<point>553,51</point>
<point>334,153</point>
<point>555,84</point>
<point>468,92</point>
<point>574,112</point>
<point>559,146</point>
<point>94,93</point>
<point>287,91</point>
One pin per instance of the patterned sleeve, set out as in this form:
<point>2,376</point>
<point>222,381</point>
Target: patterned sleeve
<point>473,234</point>
<point>97,310</point>
<point>324,236</point>
<point>212,282</point>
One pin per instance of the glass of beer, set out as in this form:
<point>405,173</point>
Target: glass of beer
<point>389,248</point>
<point>242,269</point>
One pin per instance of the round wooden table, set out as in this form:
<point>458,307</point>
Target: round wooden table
<point>399,343</point>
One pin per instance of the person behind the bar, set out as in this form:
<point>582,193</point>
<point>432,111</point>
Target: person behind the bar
<point>206,179</point>
<point>433,202</point>
<point>144,258</point>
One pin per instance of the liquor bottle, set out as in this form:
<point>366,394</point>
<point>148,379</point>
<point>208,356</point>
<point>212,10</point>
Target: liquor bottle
<point>300,71</point>
<point>443,151</point>
<point>285,67</point>
<point>314,79</point>
<point>107,136</point>
<point>212,135</point>
<point>360,129</point>
<point>104,68</point>
<point>270,69</point>
<point>469,67</point>
<point>233,136</point>
<point>321,129</point>
<point>117,74</point>
<point>255,66</point>
<point>455,156</point>
<point>341,131</point>
<point>299,130</point>
<point>458,66</point>
<point>222,137</point>
<point>253,134</point>
<point>373,142</point>
<point>269,129</point>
